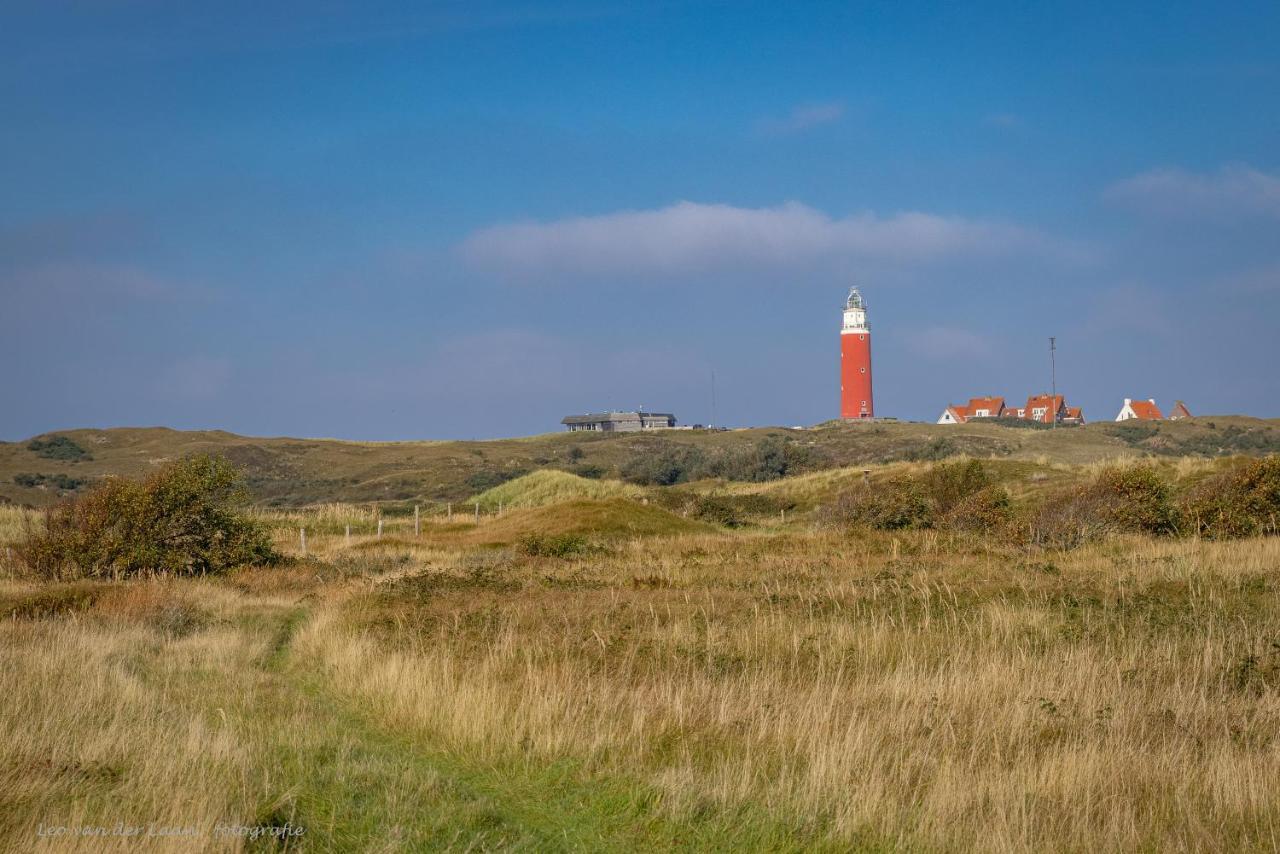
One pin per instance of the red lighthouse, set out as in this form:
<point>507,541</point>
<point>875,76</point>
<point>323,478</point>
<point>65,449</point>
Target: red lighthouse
<point>855,360</point>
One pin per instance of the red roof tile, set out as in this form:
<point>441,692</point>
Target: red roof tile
<point>1146,410</point>
<point>993,405</point>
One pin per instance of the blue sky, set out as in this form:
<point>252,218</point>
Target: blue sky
<point>456,220</point>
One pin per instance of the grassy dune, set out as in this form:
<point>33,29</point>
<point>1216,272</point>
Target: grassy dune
<point>286,472</point>
<point>677,686</point>
<point>549,486</point>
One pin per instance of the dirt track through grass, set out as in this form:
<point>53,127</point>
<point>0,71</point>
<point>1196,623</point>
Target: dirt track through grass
<point>303,757</point>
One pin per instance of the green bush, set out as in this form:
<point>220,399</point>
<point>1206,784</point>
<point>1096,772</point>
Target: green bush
<point>931,451</point>
<point>956,495</point>
<point>552,545</point>
<point>665,465</point>
<point>950,483</point>
<point>669,463</point>
<point>487,479</point>
<point>888,506</point>
<point>1242,502</point>
<point>58,448</point>
<point>988,510</point>
<point>1120,500</point>
<point>1133,434</point>
<point>185,519</point>
<point>1136,499</point>
<point>768,459</point>
<point>733,511</point>
<point>58,481</point>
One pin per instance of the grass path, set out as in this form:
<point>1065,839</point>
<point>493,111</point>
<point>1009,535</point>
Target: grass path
<point>354,784</point>
<point>296,753</point>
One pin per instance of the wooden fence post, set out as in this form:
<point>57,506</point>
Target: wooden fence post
<point>379,527</point>
<point>477,511</point>
<point>348,533</point>
<point>416,529</point>
<point>302,535</point>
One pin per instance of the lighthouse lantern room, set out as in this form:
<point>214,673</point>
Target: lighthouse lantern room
<point>856,401</point>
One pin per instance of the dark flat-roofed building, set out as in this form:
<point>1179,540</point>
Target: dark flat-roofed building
<point>620,422</point>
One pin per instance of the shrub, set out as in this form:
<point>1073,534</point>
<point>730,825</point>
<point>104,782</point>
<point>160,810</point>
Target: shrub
<point>1015,423</point>
<point>950,483</point>
<point>184,519</point>
<point>733,511</point>
<point>58,448</point>
<point>889,506</point>
<point>959,495</point>
<point>1136,499</point>
<point>1133,434</point>
<point>669,463</point>
<point>987,510</point>
<point>487,479</point>
<point>59,481</point>
<point>1120,500</point>
<point>768,459</point>
<point>1242,502</point>
<point>552,545</point>
<point>666,465</point>
<point>932,451</point>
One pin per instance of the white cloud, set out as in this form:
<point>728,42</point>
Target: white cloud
<point>804,117</point>
<point>1231,191</point>
<point>943,342</point>
<point>692,237</point>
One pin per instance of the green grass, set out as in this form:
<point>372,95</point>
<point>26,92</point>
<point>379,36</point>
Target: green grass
<point>613,518</point>
<point>550,486</point>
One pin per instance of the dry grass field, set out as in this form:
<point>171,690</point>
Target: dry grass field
<point>659,682</point>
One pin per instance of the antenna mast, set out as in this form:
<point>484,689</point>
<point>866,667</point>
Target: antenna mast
<point>1053,374</point>
<point>713,398</point>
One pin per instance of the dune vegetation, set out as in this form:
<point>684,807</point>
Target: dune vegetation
<point>550,486</point>
<point>966,655</point>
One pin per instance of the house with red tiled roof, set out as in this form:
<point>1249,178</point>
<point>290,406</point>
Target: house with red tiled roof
<point>1043,408</point>
<point>1179,411</point>
<point>955,413</point>
<point>1046,408</point>
<point>986,407</point>
<point>977,407</point>
<point>1141,410</point>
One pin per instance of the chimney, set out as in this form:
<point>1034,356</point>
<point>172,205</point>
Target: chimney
<point>1151,400</point>
<point>1128,400</point>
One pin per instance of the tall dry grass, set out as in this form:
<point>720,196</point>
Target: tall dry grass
<point>1124,697</point>
<point>95,732</point>
<point>920,690</point>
